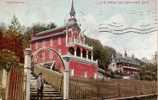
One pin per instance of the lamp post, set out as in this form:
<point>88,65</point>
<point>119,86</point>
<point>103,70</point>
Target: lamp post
<point>66,78</point>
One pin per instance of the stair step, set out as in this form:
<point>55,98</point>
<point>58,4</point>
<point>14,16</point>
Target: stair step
<point>49,93</point>
<point>48,98</point>
<point>46,91</point>
<point>35,94</point>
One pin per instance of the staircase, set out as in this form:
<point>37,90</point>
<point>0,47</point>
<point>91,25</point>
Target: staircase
<point>49,93</point>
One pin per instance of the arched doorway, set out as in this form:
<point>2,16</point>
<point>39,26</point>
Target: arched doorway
<point>55,58</point>
<point>71,50</point>
<point>84,53</point>
<point>78,51</point>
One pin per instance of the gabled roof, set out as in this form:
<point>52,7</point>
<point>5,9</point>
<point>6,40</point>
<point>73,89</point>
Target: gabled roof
<point>46,36</point>
<point>51,31</point>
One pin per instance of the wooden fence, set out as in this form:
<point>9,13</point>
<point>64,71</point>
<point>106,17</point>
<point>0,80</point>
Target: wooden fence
<point>98,89</point>
<point>15,86</point>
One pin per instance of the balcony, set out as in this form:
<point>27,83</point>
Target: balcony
<point>81,59</point>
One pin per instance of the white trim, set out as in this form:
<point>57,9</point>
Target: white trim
<point>72,72</point>
<point>131,67</point>
<point>91,55</point>
<point>86,54</point>
<point>66,40</point>
<point>83,60</point>
<point>80,44</point>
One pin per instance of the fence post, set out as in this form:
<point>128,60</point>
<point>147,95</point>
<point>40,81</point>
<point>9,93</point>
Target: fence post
<point>27,71</point>
<point>4,78</point>
<point>66,80</point>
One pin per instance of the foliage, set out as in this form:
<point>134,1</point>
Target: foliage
<point>15,28</point>
<point>102,53</point>
<point>7,59</point>
<point>148,72</point>
<point>35,29</point>
<point>11,39</point>
<point>13,44</point>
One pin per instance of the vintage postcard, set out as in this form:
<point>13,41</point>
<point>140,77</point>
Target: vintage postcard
<point>78,49</point>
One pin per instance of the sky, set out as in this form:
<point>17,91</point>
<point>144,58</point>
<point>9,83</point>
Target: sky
<point>93,14</point>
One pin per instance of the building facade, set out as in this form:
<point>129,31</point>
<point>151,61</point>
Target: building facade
<point>126,66</point>
<point>68,41</point>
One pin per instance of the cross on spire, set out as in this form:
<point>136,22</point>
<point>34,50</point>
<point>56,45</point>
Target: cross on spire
<point>72,11</point>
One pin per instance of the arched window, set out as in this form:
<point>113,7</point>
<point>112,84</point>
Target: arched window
<point>78,51</point>
<point>71,50</point>
<point>89,55</point>
<point>84,53</point>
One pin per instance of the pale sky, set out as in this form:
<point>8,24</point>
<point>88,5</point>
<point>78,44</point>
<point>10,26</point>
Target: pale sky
<point>91,14</point>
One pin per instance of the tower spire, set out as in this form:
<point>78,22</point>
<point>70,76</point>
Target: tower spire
<point>72,11</point>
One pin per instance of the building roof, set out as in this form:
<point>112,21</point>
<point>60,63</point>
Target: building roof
<point>55,30</point>
<point>46,36</point>
<point>127,60</point>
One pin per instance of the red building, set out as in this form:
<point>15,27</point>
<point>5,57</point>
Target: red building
<point>69,42</point>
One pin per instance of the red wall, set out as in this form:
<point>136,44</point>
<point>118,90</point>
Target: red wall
<point>81,68</point>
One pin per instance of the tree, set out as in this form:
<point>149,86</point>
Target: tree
<point>35,29</point>
<point>7,59</point>
<point>12,38</point>
<point>148,72</point>
<point>40,27</point>
<point>15,28</point>
<point>102,53</point>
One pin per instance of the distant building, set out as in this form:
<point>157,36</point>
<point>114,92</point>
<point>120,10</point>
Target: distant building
<point>127,66</point>
<point>69,41</point>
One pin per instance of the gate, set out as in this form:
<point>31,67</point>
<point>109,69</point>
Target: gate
<point>15,84</point>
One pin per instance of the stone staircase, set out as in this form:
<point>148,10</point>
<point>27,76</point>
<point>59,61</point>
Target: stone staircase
<point>49,93</point>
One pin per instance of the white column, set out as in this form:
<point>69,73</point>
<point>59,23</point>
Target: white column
<point>27,71</point>
<point>66,81</point>
<point>66,40</point>
<point>81,51</point>
<point>91,55</point>
<point>75,51</point>
<point>4,78</point>
<point>86,54</point>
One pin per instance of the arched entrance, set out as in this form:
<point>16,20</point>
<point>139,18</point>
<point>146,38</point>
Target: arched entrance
<point>71,50</point>
<point>49,57</point>
<point>78,51</point>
